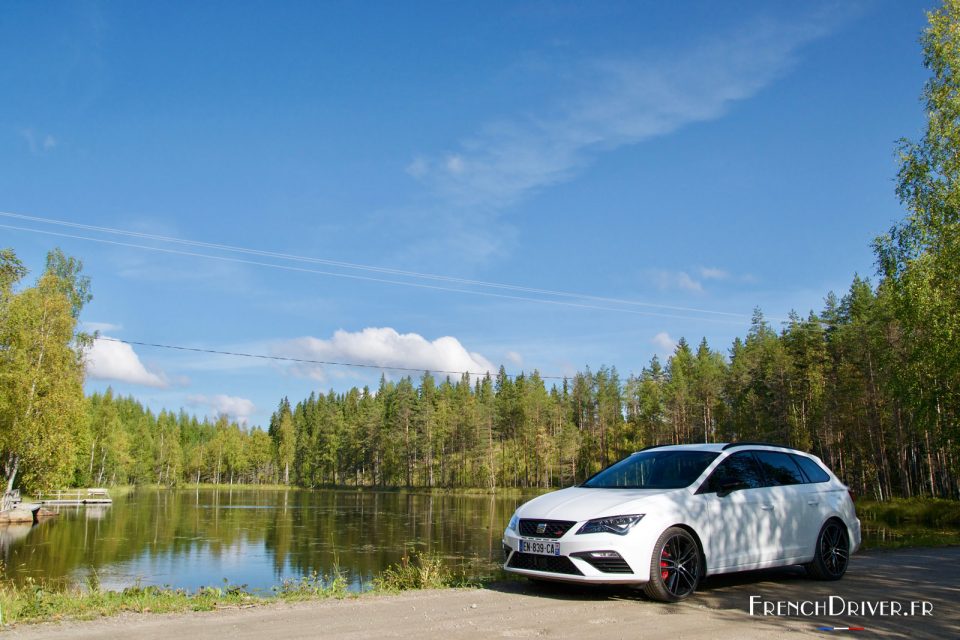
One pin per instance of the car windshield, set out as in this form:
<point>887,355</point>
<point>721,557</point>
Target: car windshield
<point>653,470</point>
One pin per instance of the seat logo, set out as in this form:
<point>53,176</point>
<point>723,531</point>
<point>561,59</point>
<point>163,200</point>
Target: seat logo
<point>541,527</point>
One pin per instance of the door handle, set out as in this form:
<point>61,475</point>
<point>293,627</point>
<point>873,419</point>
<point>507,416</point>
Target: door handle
<point>767,507</point>
<point>813,503</point>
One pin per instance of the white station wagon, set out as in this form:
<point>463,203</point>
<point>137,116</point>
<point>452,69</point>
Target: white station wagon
<point>666,516</point>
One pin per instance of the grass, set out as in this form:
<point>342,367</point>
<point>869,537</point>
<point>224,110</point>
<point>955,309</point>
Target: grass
<point>418,571</point>
<point>932,512</point>
<point>915,522</point>
<point>39,601</point>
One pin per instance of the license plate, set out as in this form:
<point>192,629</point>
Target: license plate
<point>540,548</point>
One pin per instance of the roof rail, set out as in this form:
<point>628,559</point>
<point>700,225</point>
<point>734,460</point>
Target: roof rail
<point>653,446</point>
<point>730,445</point>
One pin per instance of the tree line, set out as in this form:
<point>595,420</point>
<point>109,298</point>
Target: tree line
<point>870,383</point>
<point>829,383</point>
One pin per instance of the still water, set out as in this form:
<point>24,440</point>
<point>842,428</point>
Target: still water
<point>258,538</point>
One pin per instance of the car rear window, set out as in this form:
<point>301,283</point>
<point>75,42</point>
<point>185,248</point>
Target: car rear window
<point>779,468</point>
<point>653,470</point>
<point>813,471</point>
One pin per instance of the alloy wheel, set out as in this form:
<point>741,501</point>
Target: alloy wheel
<point>834,549</point>
<point>680,565</point>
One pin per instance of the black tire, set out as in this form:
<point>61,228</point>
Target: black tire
<point>832,553</point>
<point>675,567</point>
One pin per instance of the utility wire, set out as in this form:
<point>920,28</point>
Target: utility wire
<point>354,276</point>
<point>310,361</point>
<point>363,267</point>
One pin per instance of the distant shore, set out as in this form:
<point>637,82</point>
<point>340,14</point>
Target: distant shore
<point>466,491</point>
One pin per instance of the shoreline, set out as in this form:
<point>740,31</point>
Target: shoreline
<point>719,609</point>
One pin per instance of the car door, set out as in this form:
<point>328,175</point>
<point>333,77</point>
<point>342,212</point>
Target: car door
<point>736,525</point>
<point>791,517</point>
<point>816,500</point>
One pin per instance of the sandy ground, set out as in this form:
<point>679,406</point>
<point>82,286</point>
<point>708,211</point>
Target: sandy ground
<point>520,609</point>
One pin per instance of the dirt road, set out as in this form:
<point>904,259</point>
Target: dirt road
<point>903,580</point>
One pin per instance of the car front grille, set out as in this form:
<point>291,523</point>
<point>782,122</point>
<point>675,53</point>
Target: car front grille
<point>607,565</point>
<point>551,528</point>
<point>552,564</point>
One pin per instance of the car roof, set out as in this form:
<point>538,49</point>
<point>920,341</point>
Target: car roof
<point>719,446</point>
<point>686,447</point>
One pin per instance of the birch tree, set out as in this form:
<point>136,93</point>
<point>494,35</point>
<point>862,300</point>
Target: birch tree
<point>41,371</point>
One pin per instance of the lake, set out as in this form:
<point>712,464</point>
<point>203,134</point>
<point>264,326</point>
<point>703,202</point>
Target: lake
<point>258,538</point>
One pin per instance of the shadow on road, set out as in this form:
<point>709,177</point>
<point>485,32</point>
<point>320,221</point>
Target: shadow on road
<point>903,579</point>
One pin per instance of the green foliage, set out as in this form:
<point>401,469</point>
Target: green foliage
<point>915,522</point>
<point>827,384</point>
<point>284,441</point>
<point>123,443</point>
<point>919,258</point>
<point>41,371</point>
<point>37,601</point>
<point>418,571</point>
<point>925,511</point>
<point>313,586</point>
<point>40,601</point>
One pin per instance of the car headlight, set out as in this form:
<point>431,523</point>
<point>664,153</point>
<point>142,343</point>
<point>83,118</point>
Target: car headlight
<point>514,523</point>
<point>619,525</point>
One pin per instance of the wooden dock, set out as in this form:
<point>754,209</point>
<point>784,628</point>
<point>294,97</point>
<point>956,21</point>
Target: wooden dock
<point>25,512</point>
<point>74,497</point>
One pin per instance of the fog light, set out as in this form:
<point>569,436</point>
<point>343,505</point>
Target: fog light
<point>604,554</point>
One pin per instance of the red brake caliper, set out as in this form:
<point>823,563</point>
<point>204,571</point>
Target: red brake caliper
<point>663,565</point>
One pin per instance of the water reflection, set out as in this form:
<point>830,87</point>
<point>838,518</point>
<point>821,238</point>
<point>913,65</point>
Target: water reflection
<point>190,538</point>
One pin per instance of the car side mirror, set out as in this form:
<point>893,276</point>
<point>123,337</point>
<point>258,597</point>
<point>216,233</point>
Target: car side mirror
<point>729,487</point>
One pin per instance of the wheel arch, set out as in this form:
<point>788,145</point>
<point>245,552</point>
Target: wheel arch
<point>836,517</point>
<point>696,536</point>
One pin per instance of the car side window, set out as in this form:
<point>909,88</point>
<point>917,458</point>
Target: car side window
<point>813,471</point>
<point>738,470</point>
<point>779,468</point>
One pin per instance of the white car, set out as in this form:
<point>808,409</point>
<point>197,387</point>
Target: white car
<point>666,516</point>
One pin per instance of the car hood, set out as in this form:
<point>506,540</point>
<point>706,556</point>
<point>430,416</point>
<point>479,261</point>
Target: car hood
<point>579,503</point>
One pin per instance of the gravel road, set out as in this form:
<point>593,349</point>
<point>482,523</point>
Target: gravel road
<point>904,580</point>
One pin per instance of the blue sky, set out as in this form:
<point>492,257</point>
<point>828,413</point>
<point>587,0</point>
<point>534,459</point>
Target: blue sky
<point>685,162</point>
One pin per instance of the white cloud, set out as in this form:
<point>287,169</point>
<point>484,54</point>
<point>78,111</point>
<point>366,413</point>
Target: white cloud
<point>383,347</point>
<point>239,409</point>
<point>101,326</point>
<point>613,102</point>
<point>418,167</point>
<point>666,280</point>
<point>38,142</point>
<point>664,343</point>
<point>455,164</point>
<point>713,273</point>
<point>514,357</point>
<point>109,360</point>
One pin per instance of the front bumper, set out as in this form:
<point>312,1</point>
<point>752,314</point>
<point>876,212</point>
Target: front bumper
<point>575,565</point>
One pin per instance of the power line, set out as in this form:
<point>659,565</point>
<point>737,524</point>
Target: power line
<point>354,276</point>
<point>358,266</point>
<point>311,361</point>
